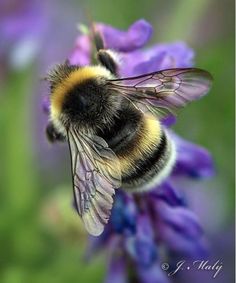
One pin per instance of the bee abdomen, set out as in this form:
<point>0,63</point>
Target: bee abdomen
<point>145,151</point>
<point>152,168</point>
<point>146,163</point>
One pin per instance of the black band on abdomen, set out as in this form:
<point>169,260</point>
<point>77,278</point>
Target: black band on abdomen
<point>148,163</point>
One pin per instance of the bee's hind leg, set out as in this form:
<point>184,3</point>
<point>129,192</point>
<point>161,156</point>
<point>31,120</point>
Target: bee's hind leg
<point>53,135</point>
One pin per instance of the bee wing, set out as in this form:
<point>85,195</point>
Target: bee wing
<point>95,173</point>
<point>165,90</point>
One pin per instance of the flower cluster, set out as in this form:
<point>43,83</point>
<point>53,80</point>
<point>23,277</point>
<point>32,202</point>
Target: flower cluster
<point>148,228</point>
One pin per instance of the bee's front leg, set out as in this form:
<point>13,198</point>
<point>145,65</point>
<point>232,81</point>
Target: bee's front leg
<point>53,135</point>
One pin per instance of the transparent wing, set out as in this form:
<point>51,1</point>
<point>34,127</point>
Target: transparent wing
<point>95,173</point>
<point>164,91</point>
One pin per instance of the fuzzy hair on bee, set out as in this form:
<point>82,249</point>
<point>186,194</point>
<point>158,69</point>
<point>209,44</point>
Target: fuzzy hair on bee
<point>74,90</point>
<point>113,128</point>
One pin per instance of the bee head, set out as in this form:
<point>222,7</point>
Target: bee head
<point>79,96</point>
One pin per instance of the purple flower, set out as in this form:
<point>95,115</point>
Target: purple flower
<point>135,61</point>
<point>134,38</point>
<point>193,161</point>
<point>123,41</point>
<point>146,229</point>
<point>158,57</point>
<point>117,271</point>
<point>82,50</point>
<point>21,27</point>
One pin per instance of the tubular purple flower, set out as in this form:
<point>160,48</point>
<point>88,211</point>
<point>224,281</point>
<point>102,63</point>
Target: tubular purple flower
<point>82,51</point>
<point>117,271</point>
<point>124,41</point>
<point>168,121</point>
<point>141,246</point>
<point>134,38</point>
<point>158,57</point>
<point>123,219</point>
<point>181,224</point>
<point>192,161</point>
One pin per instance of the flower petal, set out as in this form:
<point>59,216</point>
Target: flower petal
<point>156,58</point>
<point>135,37</point>
<point>180,219</point>
<point>184,247</point>
<point>123,218</point>
<point>167,193</point>
<point>169,120</point>
<point>82,51</point>
<point>192,160</point>
<point>141,247</point>
<point>116,272</point>
<point>180,230</point>
<point>46,104</point>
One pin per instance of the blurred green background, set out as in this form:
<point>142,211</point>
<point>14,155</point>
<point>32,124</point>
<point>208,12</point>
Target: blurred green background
<point>41,238</point>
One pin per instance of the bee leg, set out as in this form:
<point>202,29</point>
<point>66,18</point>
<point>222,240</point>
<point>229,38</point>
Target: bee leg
<point>53,135</point>
<point>107,59</point>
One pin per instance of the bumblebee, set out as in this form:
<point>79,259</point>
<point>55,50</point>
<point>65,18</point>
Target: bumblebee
<point>113,128</point>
